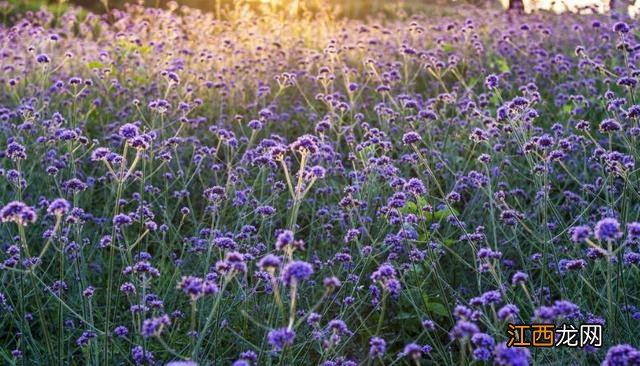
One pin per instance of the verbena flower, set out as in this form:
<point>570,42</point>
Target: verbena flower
<point>154,326</point>
<point>411,138</point>
<point>607,229</point>
<point>296,272</point>
<point>58,207</point>
<point>377,347</point>
<point>621,355</point>
<point>511,356</point>
<point>18,212</point>
<point>280,338</point>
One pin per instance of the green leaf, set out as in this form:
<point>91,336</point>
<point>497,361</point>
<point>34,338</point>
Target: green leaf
<point>437,308</point>
<point>409,208</point>
<point>96,65</point>
<point>472,82</point>
<point>449,242</point>
<point>495,99</point>
<point>405,316</point>
<point>145,50</point>
<point>442,214</point>
<point>414,207</point>
<point>448,47</point>
<point>503,64</point>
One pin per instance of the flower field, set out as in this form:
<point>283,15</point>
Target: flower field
<point>268,190</point>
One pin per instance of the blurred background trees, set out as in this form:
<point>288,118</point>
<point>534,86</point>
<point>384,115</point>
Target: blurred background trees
<point>348,8</point>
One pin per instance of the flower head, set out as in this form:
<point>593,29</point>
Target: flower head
<point>305,144</point>
<point>377,347</point>
<point>622,355</point>
<point>607,229</point>
<point>280,338</point>
<point>296,271</point>
<point>58,207</point>
<point>411,138</point>
<point>153,327</point>
<point>511,356</point>
<point>19,213</point>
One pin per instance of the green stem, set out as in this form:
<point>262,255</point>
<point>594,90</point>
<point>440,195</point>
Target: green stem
<point>207,323</point>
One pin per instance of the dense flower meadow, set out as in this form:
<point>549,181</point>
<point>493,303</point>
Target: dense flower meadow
<point>261,191</point>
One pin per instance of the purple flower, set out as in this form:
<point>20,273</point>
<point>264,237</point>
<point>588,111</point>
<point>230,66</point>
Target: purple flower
<point>284,238</point>
<point>249,356</point>
<point>233,262</point>
<point>428,324</point>
<point>88,292</point>
<point>58,207</point>
<point>16,354</point>
<point>483,340</point>
<point>384,272</point>
<point>280,338</point>
<point>122,220</point>
<point>351,235</point>
<point>491,81</point>
<point>331,283</point>
<point>296,271</point>
<point>313,318</point>
<point>511,356</point>
<point>622,355</point>
<point>565,265</point>
<point>19,213</point>
<point>42,59</point>
<point>182,363</point>
<point>84,339</point>
<point>411,138</point>
<point>74,185</point>
<point>265,210</point>
<point>159,105</point>
<point>140,356</point>
<point>630,258</point>
<point>463,329</point>
<point>481,354</point>
<point>140,142</point>
<point>128,131</point>
<point>377,347</point>
<point>413,351</point>
<point>415,187</point>
<point>607,229</point>
<point>255,124</point>
<point>621,27</point>
<point>317,172</point>
<point>16,152</point>
<point>305,144</point>
<point>491,297</point>
<point>509,311</point>
<point>128,288</point>
<point>580,233</point>
<point>269,262</point>
<point>121,331</point>
<point>153,327</point>
<point>338,326</point>
<point>633,230</point>
<point>196,287</point>
<point>628,81</point>
<point>519,278</point>
<point>610,125</point>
